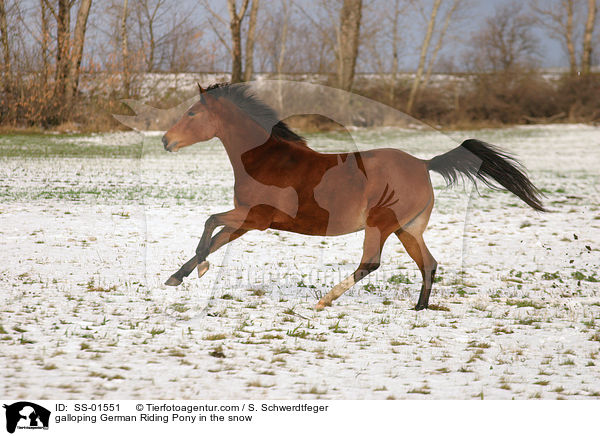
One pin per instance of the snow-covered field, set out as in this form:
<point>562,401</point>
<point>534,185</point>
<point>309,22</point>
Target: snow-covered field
<point>90,227</point>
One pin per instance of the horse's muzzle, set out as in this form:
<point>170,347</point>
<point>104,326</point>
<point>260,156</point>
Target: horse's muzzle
<point>168,147</point>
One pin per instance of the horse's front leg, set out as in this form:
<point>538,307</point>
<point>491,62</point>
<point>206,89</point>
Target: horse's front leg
<point>236,222</point>
<point>226,235</point>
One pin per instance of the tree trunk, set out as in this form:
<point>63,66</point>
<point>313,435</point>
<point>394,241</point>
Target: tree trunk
<point>6,69</point>
<point>63,40</point>
<point>250,38</point>
<point>45,43</point>
<point>124,49</point>
<point>350,16</point>
<point>395,40</point>
<point>423,57</point>
<point>281,58</point>
<point>568,4</point>
<point>440,41</point>
<point>586,56</point>
<point>77,50</point>
<point>235,25</point>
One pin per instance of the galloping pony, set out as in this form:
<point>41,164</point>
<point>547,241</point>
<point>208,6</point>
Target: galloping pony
<point>281,183</point>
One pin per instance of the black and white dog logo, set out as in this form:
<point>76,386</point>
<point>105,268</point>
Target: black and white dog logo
<point>26,415</point>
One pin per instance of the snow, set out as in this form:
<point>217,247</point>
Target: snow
<point>86,243</point>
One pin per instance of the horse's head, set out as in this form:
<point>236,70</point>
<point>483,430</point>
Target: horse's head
<point>198,124</point>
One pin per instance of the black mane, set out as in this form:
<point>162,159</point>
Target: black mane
<point>241,95</point>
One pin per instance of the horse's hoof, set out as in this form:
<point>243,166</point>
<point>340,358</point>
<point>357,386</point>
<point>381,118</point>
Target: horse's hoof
<point>321,305</point>
<point>173,281</point>
<point>202,268</point>
<point>420,307</point>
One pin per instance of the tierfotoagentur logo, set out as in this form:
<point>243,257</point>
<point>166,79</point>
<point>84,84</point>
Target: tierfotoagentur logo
<point>26,415</point>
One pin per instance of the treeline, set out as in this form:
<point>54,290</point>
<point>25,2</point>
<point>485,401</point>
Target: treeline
<point>68,63</point>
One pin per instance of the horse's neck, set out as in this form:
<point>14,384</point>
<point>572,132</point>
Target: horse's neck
<point>239,133</point>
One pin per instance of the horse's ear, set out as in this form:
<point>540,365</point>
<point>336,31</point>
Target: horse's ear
<point>201,91</point>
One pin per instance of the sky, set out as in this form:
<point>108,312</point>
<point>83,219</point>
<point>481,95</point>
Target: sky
<point>551,52</point>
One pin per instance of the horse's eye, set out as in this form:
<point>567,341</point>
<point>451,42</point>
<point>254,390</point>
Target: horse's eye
<point>190,114</point>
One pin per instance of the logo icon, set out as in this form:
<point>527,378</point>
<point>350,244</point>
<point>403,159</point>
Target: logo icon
<point>26,415</point>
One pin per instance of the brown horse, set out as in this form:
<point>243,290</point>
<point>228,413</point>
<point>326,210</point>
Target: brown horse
<point>281,183</point>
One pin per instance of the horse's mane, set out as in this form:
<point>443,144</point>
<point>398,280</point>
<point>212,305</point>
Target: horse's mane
<point>241,95</point>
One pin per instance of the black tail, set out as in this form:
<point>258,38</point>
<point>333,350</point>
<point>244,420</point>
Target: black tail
<point>476,159</point>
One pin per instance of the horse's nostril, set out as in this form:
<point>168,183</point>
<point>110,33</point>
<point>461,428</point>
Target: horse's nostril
<point>165,141</point>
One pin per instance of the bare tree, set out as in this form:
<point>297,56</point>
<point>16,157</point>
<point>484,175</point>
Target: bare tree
<point>399,9</point>
<point>348,40</point>
<point>63,32</point>
<point>286,7</point>
<point>586,56</point>
<point>124,37</point>
<point>448,17</point>
<point>6,70</point>
<point>149,15</point>
<point>69,47</point>
<point>424,49</point>
<point>77,49</point>
<point>250,37</point>
<point>505,41</point>
<point>235,26</point>
<point>558,19</point>
<point>286,10</point>
<point>45,43</point>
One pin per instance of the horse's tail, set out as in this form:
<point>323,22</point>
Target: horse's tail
<point>478,160</point>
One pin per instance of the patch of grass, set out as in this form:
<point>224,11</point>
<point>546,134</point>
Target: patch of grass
<point>179,307</point>
<point>438,307</point>
<point>176,353</point>
<point>396,343</point>
<point>215,337</point>
<point>315,391</point>
<point>92,287</point>
<point>551,276</point>
<point>335,328</point>
<point>475,344</point>
<point>398,279</point>
<point>524,303</point>
<point>528,321</point>
<point>258,384</point>
<point>217,352</point>
<point>370,287</point>
<point>157,331</point>
<point>578,275</point>
<point>425,390</point>
<point>297,333</point>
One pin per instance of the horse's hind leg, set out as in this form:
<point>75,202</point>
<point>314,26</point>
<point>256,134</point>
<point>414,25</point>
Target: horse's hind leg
<point>226,235</point>
<point>416,248</point>
<point>374,240</point>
